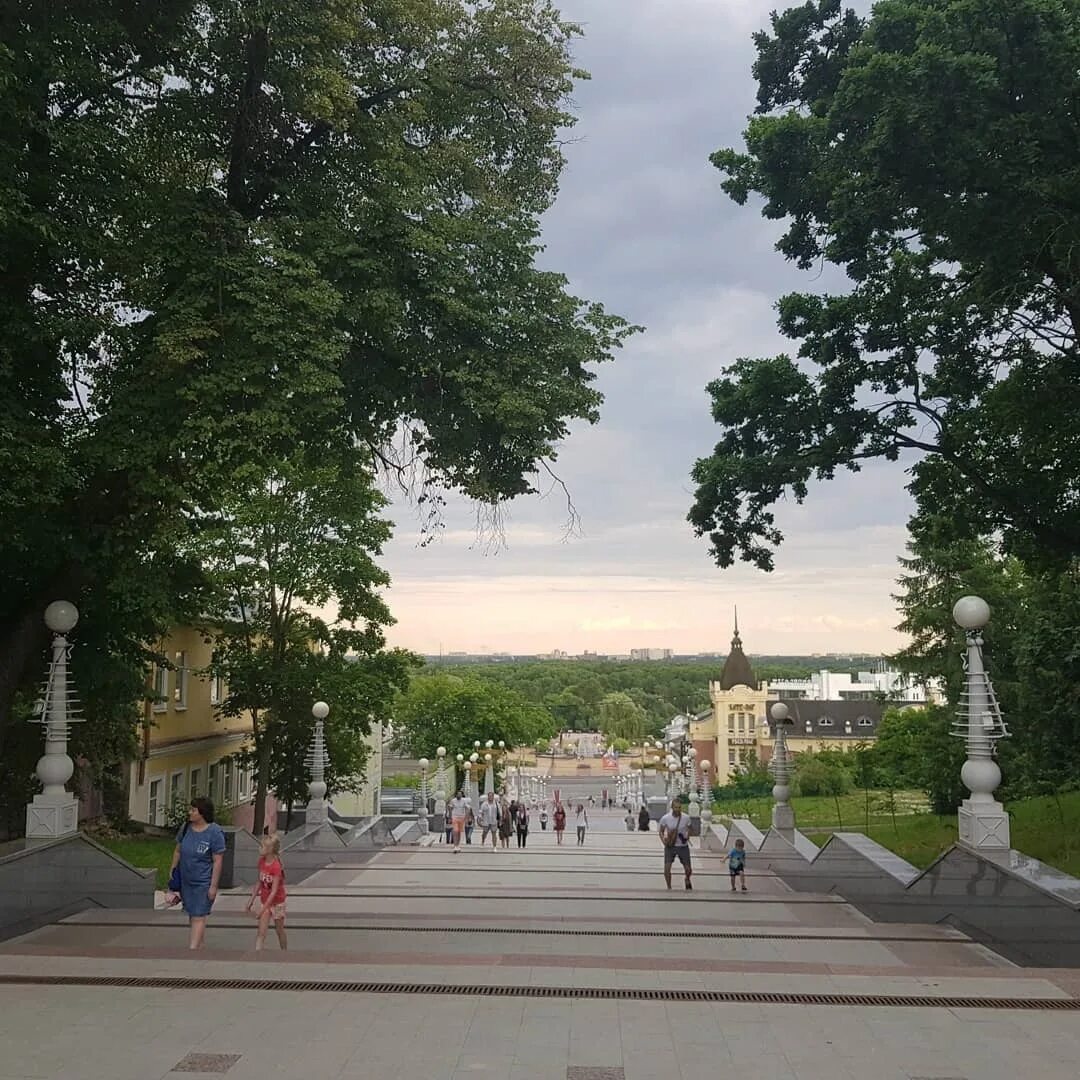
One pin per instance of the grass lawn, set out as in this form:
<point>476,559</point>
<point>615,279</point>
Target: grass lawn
<point>823,811</point>
<point>1044,828</point>
<point>144,851</point>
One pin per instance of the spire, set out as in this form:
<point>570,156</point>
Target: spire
<point>737,670</point>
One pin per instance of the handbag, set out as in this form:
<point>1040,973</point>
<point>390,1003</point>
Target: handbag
<point>174,877</point>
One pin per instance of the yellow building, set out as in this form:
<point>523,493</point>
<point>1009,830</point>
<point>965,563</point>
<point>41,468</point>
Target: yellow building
<point>738,726</point>
<point>186,748</point>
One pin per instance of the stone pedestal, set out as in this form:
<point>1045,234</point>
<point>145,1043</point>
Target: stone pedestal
<point>783,817</point>
<point>983,826</point>
<point>51,816</point>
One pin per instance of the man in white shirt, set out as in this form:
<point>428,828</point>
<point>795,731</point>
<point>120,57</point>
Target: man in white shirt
<point>489,820</point>
<point>675,834</point>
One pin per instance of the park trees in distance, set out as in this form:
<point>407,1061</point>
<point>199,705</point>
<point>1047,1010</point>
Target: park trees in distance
<point>456,711</point>
<point>231,231</point>
<point>926,150</point>
<point>621,717</point>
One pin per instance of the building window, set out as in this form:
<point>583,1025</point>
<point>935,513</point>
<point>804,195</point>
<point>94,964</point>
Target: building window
<point>731,723</point>
<point>180,690</point>
<point>731,757</point>
<point>154,810</point>
<point>161,688</point>
<point>243,777</point>
<point>176,788</point>
<point>825,721</point>
<point>196,780</point>
<point>227,783</point>
<point>212,782</point>
<point>865,721</point>
<point>217,689</point>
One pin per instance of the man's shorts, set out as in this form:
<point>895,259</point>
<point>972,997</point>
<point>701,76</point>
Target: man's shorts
<point>682,853</point>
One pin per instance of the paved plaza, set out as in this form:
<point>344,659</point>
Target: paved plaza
<point>419,964</point>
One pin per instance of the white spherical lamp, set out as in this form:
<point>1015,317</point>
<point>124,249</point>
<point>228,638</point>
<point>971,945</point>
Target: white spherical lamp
<point>780,713</point>
<point>320,710</point>
<point>441,752</point>
<point>971,612</point>
<point>61,616</point>
<point>423,763</point>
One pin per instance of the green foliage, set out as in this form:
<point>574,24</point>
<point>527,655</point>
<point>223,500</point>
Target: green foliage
<point>236,234</point>
<point>149,852</point>
<point>814,776</point>
<point>572,690</point>
<point>400,780</point>
<point>457,710</point>
<point>621,716</point>
<point>752,780</point>
<point>927,151</point>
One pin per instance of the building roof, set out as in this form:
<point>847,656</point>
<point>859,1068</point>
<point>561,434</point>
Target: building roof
<point>737,670</point>
<point>831,719</point>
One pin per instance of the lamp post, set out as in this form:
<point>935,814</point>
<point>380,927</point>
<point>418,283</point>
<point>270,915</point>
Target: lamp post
<point>706,803</point>
<point>424,824</point>
<point>783,813</point>
<point>54,812</point>
<point>440,788</point>
<point>474,787</point>
<point>982,822</point>
<point>317,760</point>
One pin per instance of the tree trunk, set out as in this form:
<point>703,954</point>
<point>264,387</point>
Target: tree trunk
<point>262,782</point>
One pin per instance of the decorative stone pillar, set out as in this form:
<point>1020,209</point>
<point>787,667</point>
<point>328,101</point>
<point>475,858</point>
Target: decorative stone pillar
<point>783,813</point>
<point>440,788</point>
<point>706,799</point>
<point>54,812</point>
<point>983,824</point>
<point>489,773</point>
<point>317,760</point>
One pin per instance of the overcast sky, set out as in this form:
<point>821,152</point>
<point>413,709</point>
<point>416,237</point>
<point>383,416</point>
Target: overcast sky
<point>642,225</point>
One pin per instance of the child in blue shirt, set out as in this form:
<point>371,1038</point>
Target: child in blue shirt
<point>736,861</point>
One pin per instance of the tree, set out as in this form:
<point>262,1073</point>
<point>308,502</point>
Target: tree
<point>914,749</point>
<point>621,716</point>
<point>927,151</point>
<point>236,230</point>
<point>456,711</point>
<point>299,536</point>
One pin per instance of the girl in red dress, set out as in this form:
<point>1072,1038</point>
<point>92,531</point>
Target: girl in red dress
<point>270,892</point>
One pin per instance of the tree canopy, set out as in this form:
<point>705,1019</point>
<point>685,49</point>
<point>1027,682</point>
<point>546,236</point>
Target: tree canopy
<point>928,151</point>
<point>233,232</point>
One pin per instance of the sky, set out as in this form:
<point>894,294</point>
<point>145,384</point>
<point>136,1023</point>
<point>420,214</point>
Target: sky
<point>642,226</point>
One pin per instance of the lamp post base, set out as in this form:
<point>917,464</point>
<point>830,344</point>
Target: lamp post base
<point>783,818</point>
<point>50,817</point>
<point>983,826</point>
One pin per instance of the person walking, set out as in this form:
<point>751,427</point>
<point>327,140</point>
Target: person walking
<point>643,819</point>
<point>560,821</point>
<point>470,824</point>
<point>196,862</point>
<point>459,813</point>
<point>675,835</point>
<point>489,820</point>
<point>543,818</point>
<point>582,823</point>
<point>506,823</point>
<point>737,864</point>
<point>522,825</point>
<point>269,889</point>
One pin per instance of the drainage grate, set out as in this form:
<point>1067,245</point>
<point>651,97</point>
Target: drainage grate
<point>749,997</point>
<point>548,931</point>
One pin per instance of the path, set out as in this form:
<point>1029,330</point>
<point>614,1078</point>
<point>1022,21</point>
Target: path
<point>542,952</point>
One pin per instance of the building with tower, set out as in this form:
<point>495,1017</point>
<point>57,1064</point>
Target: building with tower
<point>737,727</point>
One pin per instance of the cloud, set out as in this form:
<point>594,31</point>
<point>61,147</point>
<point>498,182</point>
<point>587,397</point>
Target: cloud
<point>642,225</point>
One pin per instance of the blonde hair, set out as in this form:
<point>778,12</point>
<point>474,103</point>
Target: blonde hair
<point>273,841</point>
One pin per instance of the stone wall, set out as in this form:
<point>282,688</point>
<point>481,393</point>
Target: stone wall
<point>42,882</point>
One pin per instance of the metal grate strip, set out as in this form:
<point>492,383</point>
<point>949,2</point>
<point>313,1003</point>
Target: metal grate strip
<point>740,935</point>
<point>898,1001</point>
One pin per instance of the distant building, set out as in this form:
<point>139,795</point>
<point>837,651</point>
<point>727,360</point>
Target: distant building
<point>866,686</point>
<point>738,726</point>
<point>650,654</point>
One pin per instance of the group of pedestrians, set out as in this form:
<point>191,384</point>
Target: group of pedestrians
<point>501,818</point>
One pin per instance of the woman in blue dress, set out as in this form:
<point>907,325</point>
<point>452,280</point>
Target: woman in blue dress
<point>200,847</point>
